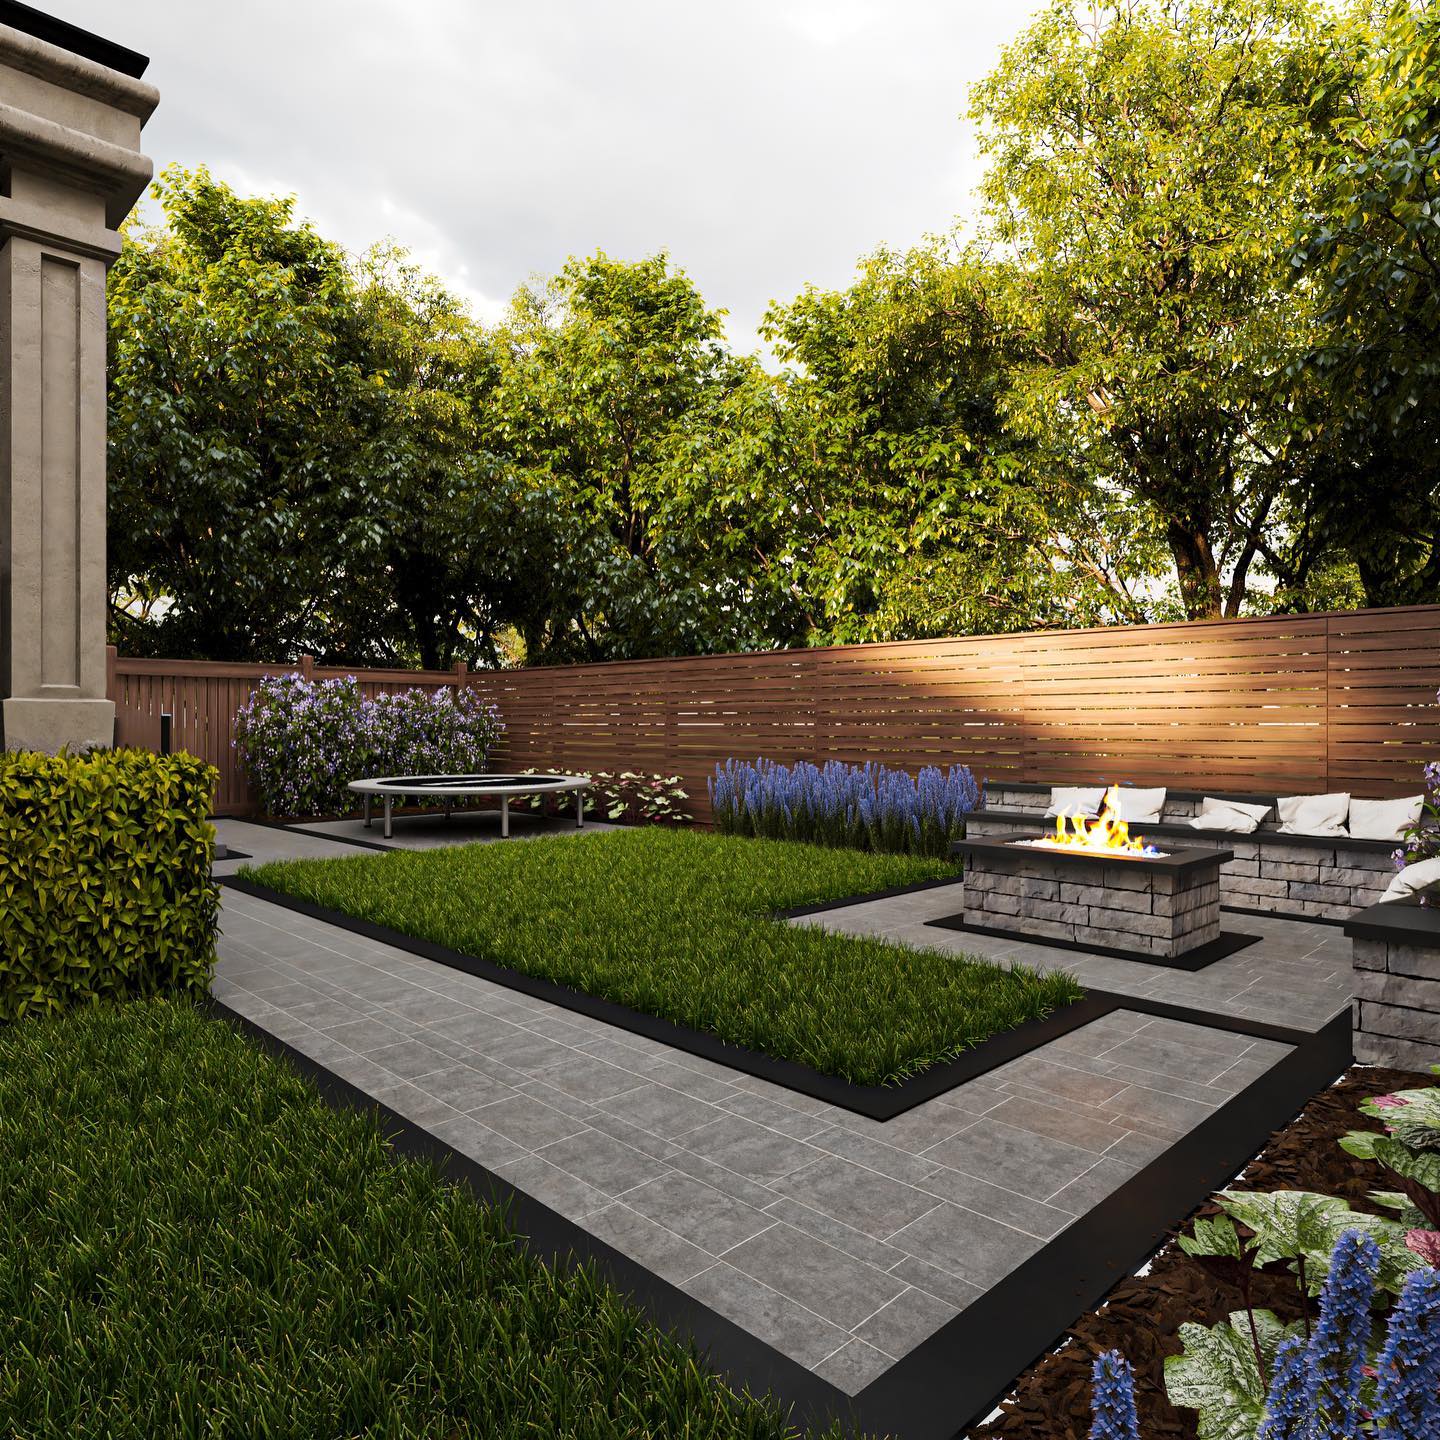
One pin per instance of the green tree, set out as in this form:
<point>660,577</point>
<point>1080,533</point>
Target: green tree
<point>1374,256</point>
<point>297,448</point>
<point>230,397</point>
<point>906,506</point>
<point>1149,166</point>
<point>616,394</point>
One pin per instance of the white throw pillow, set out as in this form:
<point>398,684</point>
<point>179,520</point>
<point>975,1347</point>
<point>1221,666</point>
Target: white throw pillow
<point>1075,800</point>
<point>1313,814</point>
<point>1141,807</point>
<point>1414,879</point>
<point>1216,814</point>
<point>1384,819</point>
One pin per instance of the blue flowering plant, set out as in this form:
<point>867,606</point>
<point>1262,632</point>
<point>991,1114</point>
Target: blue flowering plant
<point>861,807</point>
<point>301,742</point>
<point>1422,840</point>
<point>1303,1379</point>
<point>1330,1380</point>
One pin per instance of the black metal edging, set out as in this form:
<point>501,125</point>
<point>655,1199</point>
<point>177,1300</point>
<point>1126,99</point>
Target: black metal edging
<point>1017,1321</point>
<point>875,1102</point>
<point>742,1360</point>
<point>1281,915</point>
<point>799,911</point>
<point>950,1381</point>
<point>1229,942</point>
<point>314,834</point>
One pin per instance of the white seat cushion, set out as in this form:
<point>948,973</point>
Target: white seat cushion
<point>1141,807</point>
<point>1313,814</point>
<point>1384,819</point>
<point>1217,814</point>
<point>1075,800</point>
<point>1417,879</point>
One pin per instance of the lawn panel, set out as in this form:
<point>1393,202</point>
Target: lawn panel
<point>679,924</point>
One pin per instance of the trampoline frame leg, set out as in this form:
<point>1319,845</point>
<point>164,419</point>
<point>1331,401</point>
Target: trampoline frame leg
<point>388,803</point>
<point>504,817</point>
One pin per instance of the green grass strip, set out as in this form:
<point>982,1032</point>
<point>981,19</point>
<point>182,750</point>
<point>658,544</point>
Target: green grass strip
<point>192,1243</point>
<point>678,924</point>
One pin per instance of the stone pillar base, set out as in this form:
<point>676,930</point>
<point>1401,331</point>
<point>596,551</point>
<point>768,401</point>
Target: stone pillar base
<point>54,725</point>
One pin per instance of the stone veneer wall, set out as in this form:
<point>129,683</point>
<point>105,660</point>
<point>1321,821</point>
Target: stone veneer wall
<point>1115,904</point>
<point>1332,881</point>
<point>1397,1002</point>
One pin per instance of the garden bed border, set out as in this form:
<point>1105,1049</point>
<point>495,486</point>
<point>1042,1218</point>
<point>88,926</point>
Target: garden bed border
<point>950,1381</point>
<point>875,1102</point>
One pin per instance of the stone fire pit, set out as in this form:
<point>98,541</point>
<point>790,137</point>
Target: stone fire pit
<point>1162,908</point>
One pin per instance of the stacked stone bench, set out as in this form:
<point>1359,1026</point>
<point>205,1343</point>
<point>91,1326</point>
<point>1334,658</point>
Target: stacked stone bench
<point>1396,956</point>
<point>1310,876</point>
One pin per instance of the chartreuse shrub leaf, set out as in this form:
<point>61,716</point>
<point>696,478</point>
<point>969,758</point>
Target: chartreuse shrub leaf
<point>681,924</point>
<point>193,1244</point>
<point>105,886</point>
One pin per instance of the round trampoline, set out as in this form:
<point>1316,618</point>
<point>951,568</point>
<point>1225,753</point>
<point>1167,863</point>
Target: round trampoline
<point>451,788</point>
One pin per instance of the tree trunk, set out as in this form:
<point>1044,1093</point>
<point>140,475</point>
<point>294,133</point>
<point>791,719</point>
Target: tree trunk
<point>1196,570</point>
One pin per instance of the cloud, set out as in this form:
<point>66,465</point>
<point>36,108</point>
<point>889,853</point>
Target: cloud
<point>764,146</point>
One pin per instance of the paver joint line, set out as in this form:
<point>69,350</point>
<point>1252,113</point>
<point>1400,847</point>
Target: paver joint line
<point>906,1398</point>
<point>877,1102</point>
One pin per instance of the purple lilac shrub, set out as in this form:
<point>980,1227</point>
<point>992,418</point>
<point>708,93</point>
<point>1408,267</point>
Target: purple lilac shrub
<point>863,807</point>
<point>301,742</point>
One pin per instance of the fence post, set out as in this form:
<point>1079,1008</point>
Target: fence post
<point>111,655</point>
<point>462,675</point>
<point>307,668</point>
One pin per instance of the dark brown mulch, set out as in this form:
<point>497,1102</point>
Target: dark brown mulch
<point>1141,1315</point>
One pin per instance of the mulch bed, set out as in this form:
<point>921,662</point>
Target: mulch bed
<point>1141,1316</point>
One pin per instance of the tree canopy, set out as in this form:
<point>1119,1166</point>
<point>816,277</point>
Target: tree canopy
<point>1184,362</point>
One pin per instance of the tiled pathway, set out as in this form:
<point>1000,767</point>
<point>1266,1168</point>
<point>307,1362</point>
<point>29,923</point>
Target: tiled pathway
<point>841,1241</point>
<point>1298,975</point>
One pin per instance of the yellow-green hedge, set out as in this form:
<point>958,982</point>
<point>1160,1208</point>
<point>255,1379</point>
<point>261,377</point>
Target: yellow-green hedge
<point>105,886</point>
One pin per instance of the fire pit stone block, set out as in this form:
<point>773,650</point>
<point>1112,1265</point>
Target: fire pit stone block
<point>1116,903</point>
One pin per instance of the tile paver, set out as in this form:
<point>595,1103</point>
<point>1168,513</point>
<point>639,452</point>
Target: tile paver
<point>840,1240</point>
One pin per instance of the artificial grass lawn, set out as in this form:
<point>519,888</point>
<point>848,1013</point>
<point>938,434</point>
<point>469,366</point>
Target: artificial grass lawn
<point>193,1243</point>
<point>678,924</point>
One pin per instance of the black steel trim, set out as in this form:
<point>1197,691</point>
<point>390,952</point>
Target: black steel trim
<point>741,1359</point>
<point>1229,942</point>
<point>950,1381</point>
<point>799,911</point>
<point>72,38</point>
<point>875,1102</point>
<point>1180,861</point>
<point>1401,922</point>
<point>1023,1317</point>
<point>1281,915</point>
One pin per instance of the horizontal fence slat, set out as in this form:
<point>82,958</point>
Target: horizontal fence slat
<point>1286,703</point>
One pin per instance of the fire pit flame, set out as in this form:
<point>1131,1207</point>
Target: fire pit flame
<point>1107,832</point>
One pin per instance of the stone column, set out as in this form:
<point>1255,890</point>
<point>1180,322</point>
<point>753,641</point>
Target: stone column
<point>70,170</point>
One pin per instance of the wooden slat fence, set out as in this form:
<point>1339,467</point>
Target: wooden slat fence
<point>1341,701</point>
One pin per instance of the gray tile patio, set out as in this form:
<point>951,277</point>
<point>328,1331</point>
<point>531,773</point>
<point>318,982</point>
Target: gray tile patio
<point>840,1240</point>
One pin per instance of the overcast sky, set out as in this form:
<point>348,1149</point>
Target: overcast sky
<point>763,145</point>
